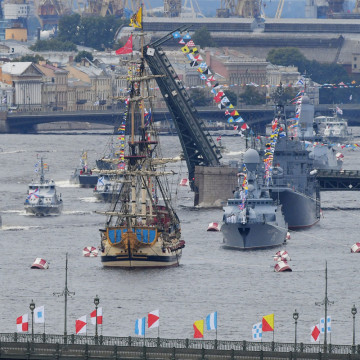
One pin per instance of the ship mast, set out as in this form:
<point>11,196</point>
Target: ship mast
<point>42,178</point>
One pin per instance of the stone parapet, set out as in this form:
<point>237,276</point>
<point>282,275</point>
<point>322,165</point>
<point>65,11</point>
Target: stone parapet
<point>4,128</point>
<point>214,185</point>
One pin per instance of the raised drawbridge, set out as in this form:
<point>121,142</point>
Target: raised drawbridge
<point>197,144</point>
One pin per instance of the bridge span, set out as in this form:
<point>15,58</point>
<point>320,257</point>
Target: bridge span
<point>47,346</point>
<point>257,116</point>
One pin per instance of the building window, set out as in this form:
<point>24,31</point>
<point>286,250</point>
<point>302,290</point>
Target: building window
<point>355,66</point>
<point>355,58</point>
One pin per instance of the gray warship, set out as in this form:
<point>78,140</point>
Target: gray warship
<point>321,150</point>
<point>294,181</point>
<point>253,220</point>
<point>42,199</point>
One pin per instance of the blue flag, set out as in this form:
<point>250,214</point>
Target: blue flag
<point>140,326</point>
<point>211,321</point>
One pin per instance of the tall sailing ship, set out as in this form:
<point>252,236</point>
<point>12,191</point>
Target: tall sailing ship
<point>142,229</point>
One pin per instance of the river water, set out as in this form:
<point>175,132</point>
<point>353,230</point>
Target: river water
<point>241,286</point>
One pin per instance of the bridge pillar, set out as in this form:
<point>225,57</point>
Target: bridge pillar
<point>4,128</point>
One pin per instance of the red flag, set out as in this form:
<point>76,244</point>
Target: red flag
<point>22,323</point>
<point>80,325</point>
<point>153,318</point>
<point>99,316</point>
<point>127,48</point>
<point>315,332</point>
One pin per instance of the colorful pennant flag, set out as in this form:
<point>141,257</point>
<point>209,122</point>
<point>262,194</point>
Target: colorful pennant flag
<point>267,320</point>
<point>187,36</point>
<point>190,44</point>
<point>22,323</point>
<point>80,325</point>
<point>211,319</point>
<point>140,326</point>
<point>257,331</point>
<point>185,49</point>
<point>315,333</point>
<point>136,19</point>
<point>198,329</point>
<point>99,316</point>
<point>39,315</point>
<point>127,48</point>
<point>153,319</point>
<point>176,35</point>
<point>182,42</point>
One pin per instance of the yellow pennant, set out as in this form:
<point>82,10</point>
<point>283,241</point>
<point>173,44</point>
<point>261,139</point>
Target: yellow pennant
<point>136,19</point>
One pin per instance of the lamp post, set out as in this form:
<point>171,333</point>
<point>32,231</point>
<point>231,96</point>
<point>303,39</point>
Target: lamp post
<point>96,302</point>
<point>353,311</point>
<point>295,317</point>
<point>32,307</point>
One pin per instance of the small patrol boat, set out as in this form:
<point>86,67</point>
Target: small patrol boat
<point>83,174</point>
<point>106,188</point>
<point>42,198</point>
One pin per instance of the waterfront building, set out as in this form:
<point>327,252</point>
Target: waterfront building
<point>100,95</point>
<point>26,80</point>
<point>55,87</point>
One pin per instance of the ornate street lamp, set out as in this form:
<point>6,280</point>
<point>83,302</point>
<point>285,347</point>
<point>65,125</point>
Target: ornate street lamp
<point>353,311</point>
<point>295,317</point>
<point>32,307</point>
<point>96,302</point>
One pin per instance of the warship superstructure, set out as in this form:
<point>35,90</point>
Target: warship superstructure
<point>320,148</point>
<point>294,181</point>
<point>252,219</point>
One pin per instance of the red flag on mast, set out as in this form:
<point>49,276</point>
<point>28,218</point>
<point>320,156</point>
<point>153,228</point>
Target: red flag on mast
<point>127,48</point>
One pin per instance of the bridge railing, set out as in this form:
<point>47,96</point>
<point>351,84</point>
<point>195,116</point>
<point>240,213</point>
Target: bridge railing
<point>176,343</point>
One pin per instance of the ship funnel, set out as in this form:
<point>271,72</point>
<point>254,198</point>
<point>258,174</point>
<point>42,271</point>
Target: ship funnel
<point>251,159</point>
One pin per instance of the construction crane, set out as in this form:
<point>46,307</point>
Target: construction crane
<point>190,9</point>
<point>112,7</point>
<point>279,9</point>
<point>49,11</point>
<point>172,8</point>
<point>357,7</point>
<point>242,8</point>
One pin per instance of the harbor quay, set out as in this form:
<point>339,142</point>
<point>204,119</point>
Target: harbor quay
<point>47,346</point>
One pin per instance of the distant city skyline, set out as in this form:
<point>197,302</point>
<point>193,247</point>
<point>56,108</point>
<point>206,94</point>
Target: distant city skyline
<point>292,8</point>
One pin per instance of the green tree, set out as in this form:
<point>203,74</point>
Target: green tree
<point>95,31</point>
<point>200,97</point>
<point>83,54</point>
<point>251,96</point>
<point>319,72</point>
<point>53,45</point>
<point>69,27</point>
<point>33,58</point>
<point>203,38</point>
<point>286,57</point>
